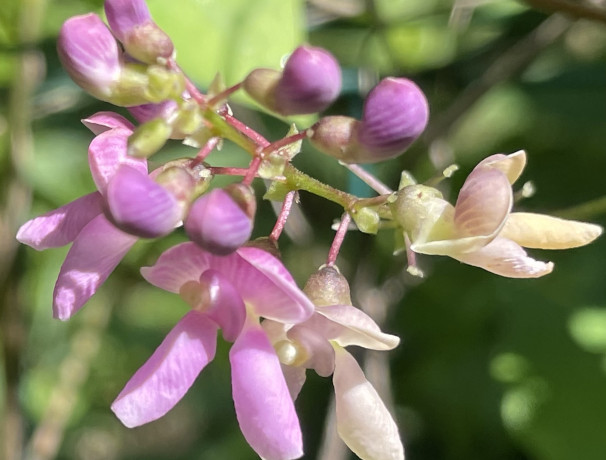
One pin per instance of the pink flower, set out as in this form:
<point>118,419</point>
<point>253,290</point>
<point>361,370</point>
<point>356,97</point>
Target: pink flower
<point>230,293</point>
<point>98,246</point>
<point>363,421</point>
<point>481,229</point>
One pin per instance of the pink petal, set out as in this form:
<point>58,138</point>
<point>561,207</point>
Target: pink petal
<point>123,15</point>
<point>107,152</point>
<point>357,328</point>
<point>103,121</point>
<point>147,112</point>
<point>363,421</point>
<point>140,206</point>
<point>61,226</point>
<point>167,375</point>
<point>261,279</point>
<point>319,351</point>
<point>506,258</point>
<point>483,204</point>
<point>511,165</point>
<point>96,251</point>
<point>295,378</point>
<point>223,304</point>
<point>264,408</point>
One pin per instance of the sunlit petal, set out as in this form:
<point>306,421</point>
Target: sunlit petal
<point>506,258</point>
<point>264,407</point>
<point>167,375</point>
<point>546,232</point>
<point>363,421</point>
<point>96,251</point>
<point>60,226</point>
<point>511,165</point>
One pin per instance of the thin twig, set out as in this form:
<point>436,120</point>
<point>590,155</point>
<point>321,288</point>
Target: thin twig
<point>575,9</point>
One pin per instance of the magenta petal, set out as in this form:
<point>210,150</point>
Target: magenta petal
<point>61,226</point>
<point>225,306</point>
<point>107,152</point>
<point>123,15</point>
<point>216,223</point>
<point>167,375</point>
<point>103,121</point>
<point>147,112</point>
<point>140,206</point>
<point>264,408</point>
<point>90,54</point>
<point>96,251</point>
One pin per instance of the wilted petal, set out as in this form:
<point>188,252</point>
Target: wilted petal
<point>61,226</point>
<point>104,121</point>
<point>363,421</point>
<point>264,407</point>
<point>545,232</point>
<point>506,258</point>
<point>96,251</point>
<point>107,152</point>
<point>483,204</point>
<point>167,375</point>
<point>140,206</point>
<point>357,328</point>
<point>223,304</point>
<point>511,165</point>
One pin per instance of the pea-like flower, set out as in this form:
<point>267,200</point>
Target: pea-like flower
<point>232,293</point>
<point>481,229</point>
<point>363,421</point>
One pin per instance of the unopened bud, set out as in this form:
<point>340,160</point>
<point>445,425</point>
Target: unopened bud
<point>309,83</point>
<point>328,287</point>
<point>138,205</point>
<point>148,138</point>
<point>132,24</point>
<point>367,220</point>
<point>220,221</point>
<point>395,114</point>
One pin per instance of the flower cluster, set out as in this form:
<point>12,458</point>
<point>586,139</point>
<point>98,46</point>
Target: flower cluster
<point>238,286</point>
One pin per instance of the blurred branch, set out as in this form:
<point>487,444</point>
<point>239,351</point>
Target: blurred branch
<point>29,71</point>
<point>575,9</point>
<point>584,211</point>
<point>511,63</point>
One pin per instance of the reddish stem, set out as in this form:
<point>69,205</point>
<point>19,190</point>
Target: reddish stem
<point>228,171</point>
<point>338,241</point>
<point>284,142</point>
<point>248,132</point>
<point>224,94</point>
<point>252,170</point>
<point>205,151</point>
<point>283,216</point>
<point>189,86</point>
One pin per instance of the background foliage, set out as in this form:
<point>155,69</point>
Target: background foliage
<point>488,368</point>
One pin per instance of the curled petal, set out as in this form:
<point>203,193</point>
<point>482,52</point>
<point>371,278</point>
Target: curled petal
<point>363,421</point>
<point>96,251</point>
<point>511,165</point>
<point>483,204</point>
<point>104,121</point>
<point>167,375</point>
<point>545,232</point>
<point>223,304</point>
<point>107,152</point>
<point>261,279</point>
<point>264,407</point>
<point>357,328</point>
<point>61,226</point>
<point>506,258</point>
<point>317,349</point>
<point>140,206</point>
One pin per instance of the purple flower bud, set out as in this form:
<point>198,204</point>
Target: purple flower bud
<point>218,223</point>
<point>310,82</point>
<point>328,287</point>
<point>138,205</point>
<point>395,114</point>
<point>90,54</point>
<point>147,112</point>
<point>132,24</point>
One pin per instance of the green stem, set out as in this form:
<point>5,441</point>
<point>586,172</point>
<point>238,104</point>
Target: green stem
<point>585,210</point>
<point>298,180</point>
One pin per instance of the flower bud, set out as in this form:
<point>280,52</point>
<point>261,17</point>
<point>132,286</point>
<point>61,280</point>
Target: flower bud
<point>147,112</point>
<point>138,205</point>
<point>90,54</point>
<point>328,287</point>
<point>148,138</point>
<point>132,24</point>
<point>395,114</point>
<point>309,83</point>
<point>221,220</point>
